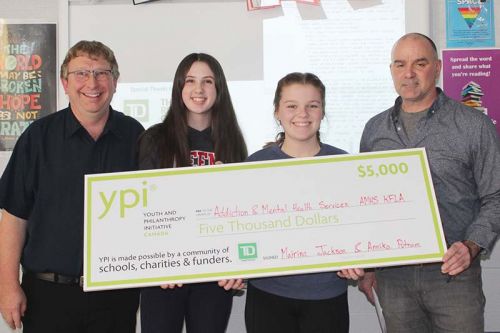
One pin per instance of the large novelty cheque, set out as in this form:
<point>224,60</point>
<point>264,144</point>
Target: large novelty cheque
<point>257,219</point>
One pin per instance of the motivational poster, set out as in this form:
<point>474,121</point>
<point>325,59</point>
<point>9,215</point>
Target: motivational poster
<point>28,82</point>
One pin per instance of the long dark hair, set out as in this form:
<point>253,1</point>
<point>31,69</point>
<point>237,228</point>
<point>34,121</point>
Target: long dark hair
<point>227,138</point>
<point>293,78</point>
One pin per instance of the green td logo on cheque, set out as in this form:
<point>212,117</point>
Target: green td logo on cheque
<point>247,251</point>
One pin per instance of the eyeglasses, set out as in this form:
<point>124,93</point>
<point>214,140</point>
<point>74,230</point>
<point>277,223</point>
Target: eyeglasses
<point>84,74</point>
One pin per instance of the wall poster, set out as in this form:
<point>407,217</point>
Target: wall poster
<point>28,83</point>
<point>471,77</point>
<point>470,23</point>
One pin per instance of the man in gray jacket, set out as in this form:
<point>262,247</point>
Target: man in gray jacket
<point>464,156</point>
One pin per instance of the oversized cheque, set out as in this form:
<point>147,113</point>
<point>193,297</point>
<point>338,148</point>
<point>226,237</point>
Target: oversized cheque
<point>260,219</point>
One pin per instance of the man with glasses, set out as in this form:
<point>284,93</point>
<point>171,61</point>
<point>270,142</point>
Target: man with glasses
<point>42,196</point>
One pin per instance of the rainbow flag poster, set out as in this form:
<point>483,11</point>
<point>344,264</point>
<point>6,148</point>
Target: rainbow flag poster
<point>470,14</point>
<point>470,23</point>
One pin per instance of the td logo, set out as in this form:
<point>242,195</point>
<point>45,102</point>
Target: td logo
<point>247,251</point>
<point>128,198</point>
<point>137,108</point>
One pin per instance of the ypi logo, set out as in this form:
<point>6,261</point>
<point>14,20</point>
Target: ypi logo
<point>247,251</point>
<point>128,198</point>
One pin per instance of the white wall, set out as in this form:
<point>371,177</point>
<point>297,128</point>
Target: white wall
<point>27,9</point>
<point>363,318</point>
